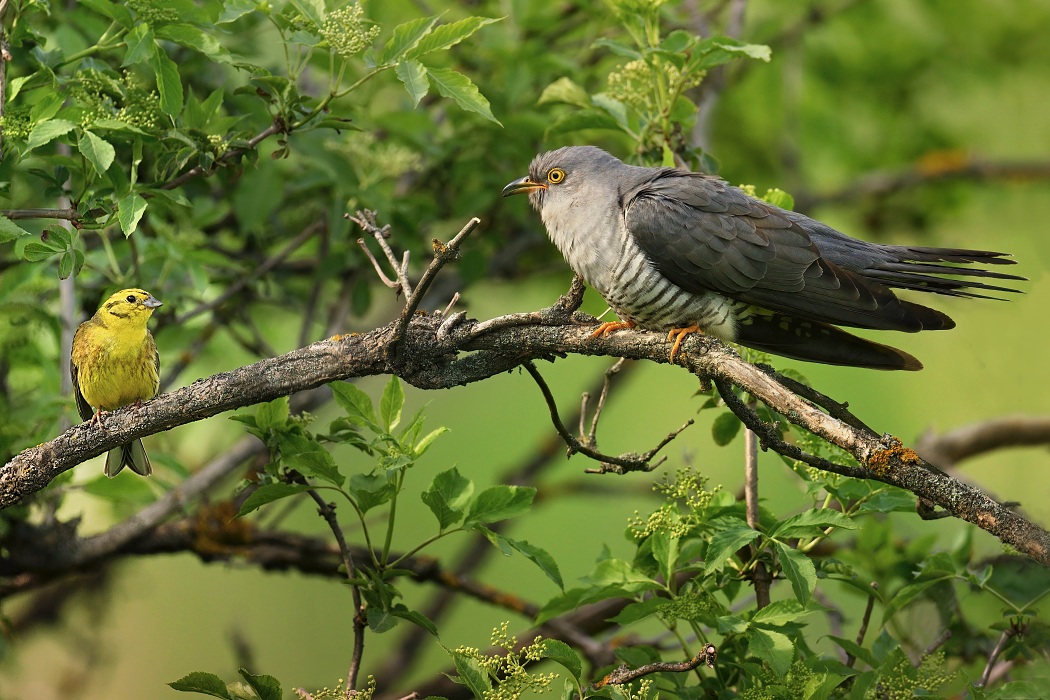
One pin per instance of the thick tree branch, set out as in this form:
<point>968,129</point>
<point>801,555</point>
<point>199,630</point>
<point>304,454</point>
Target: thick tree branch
<point>946,449</point>
<point>463,356</point>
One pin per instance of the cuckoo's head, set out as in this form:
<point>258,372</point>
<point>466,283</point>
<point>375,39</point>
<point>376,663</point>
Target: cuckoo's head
<point>561,175</point>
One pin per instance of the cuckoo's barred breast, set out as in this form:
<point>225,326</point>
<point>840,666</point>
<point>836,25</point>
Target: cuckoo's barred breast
<point>668,248</point>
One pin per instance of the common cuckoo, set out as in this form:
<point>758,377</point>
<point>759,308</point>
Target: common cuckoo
<point>671,250</point>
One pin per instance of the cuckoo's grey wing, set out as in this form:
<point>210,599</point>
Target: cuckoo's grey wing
<point>705,235</point>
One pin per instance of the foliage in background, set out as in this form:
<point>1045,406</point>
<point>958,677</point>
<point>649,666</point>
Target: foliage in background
<point>190,143</point>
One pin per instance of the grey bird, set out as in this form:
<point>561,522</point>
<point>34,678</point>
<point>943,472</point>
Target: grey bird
<point>677,251</point>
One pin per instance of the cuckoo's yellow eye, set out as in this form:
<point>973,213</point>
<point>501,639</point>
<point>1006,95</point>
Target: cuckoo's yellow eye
<point>555,175</point>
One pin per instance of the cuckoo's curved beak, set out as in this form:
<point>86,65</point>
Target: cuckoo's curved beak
<point>523,184</point>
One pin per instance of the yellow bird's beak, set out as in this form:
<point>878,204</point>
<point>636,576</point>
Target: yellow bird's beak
<point>521,185</point>
<point>152,302</point>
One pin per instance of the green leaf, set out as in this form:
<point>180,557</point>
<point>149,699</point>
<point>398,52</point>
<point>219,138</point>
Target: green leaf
<point>10,231</point>
<point>462,91</point>
<point>640,611</point>
<point>725,543</point>
<point>370,490</point>
<point>391,403</point>
<point>266,687</point>
<point>204,683</point>
<point>309,457</point>
<point>772,647</point>
<point>130,209</point>
<point>405,37</point>
<point>272,414</point>
<point>779,198</point>
<point>812,522</point>
<point>356,404</point>
<point>141,45</point>
<point>856,650</point>
<point>799,570</point>
<point>725,428</point>
<point>420,447</point>
<point>311,10</point>
<point>99,152</point>
<point>567,91</point>
<point>447,496</point>
<point>617,48</point>
<point>579,121</point>
<point>562,654</point>
<point>541,558</point>
<point>780,612</point>
<point>115,11</point>
<point>413,75</point>
<point>46,131</point>
<point>416,618</point>
<point>268,493</point>
<point>906,595</point>
<point>168,83</point>
<point>471,673</point>
<point>235,9</point>
<point>447,36</point>
<point>500,503</point>
<point>194,38</point>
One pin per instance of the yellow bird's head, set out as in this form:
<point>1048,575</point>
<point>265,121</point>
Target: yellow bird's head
<point>133,306</point>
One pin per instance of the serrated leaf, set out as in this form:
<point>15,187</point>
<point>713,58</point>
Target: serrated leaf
<point>405,37</point>
<point>578,121</point>
<point>413,75</point>
<point>169,86</point>
<point>772,647</point>
<point>565,90</point>
<point>799,570</point>
<point>577,597</point>
<point>204,683</point>
<point>541,558</point>
<point>420,447</point>
<point>307,456</point>
<point>641,610</point>
<point>311,10</point>
<point>266,687</point>
<point>471,673</point>
<point>235,9</point>
<point>856,650</point>
<point>780,612</point>
<point>391,403</point>
<point>141,45</point>
<point>99,152</point>
<point>447,35</point>
<point>725,543</point>
<point>446,497</point>
<point>370,490</point>
<point>416,618</point>
<point>356,403</point>
<point>812,522</point>
<point>268,493</point>
<point>462,91</point>
<point>725,427</point>
<point>46,131</point>
<point>10,231</point>
<point>617,48</point>
<point>562,654</point>
<point>130,209</point>
<point>500,503</point>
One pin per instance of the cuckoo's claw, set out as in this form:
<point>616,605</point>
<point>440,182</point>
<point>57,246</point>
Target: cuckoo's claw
<point>679,334</point>
<point>611,327</point>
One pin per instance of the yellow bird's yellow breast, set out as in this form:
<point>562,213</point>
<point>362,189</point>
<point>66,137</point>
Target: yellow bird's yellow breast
<point>115,369</point>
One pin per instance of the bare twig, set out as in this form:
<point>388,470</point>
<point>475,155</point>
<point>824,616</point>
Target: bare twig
<point>327,511</point>
<point>626,462</point>
<point>863,631</point>
<point>706,655</point>
<point>946,449</point>
<point>590,437</point>
<point>366,219</point>
<point>1009,632</point>
<point>68,213</point>
<point>761,578</point>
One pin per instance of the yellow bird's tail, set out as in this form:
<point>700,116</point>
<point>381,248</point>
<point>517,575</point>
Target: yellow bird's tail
<point>131,455</point>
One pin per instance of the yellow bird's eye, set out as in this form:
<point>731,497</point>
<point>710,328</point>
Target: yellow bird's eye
<point>131,298</point>
<point>555,175</point>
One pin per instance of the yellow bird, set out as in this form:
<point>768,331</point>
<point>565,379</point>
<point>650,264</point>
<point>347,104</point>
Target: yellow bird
<point>115,363</point>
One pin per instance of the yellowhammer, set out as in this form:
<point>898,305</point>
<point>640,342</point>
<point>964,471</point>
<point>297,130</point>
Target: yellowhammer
<point>115,363</point>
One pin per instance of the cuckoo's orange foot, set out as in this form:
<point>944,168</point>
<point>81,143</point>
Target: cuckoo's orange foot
<point>679,334</point>
<point>611,327</point>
